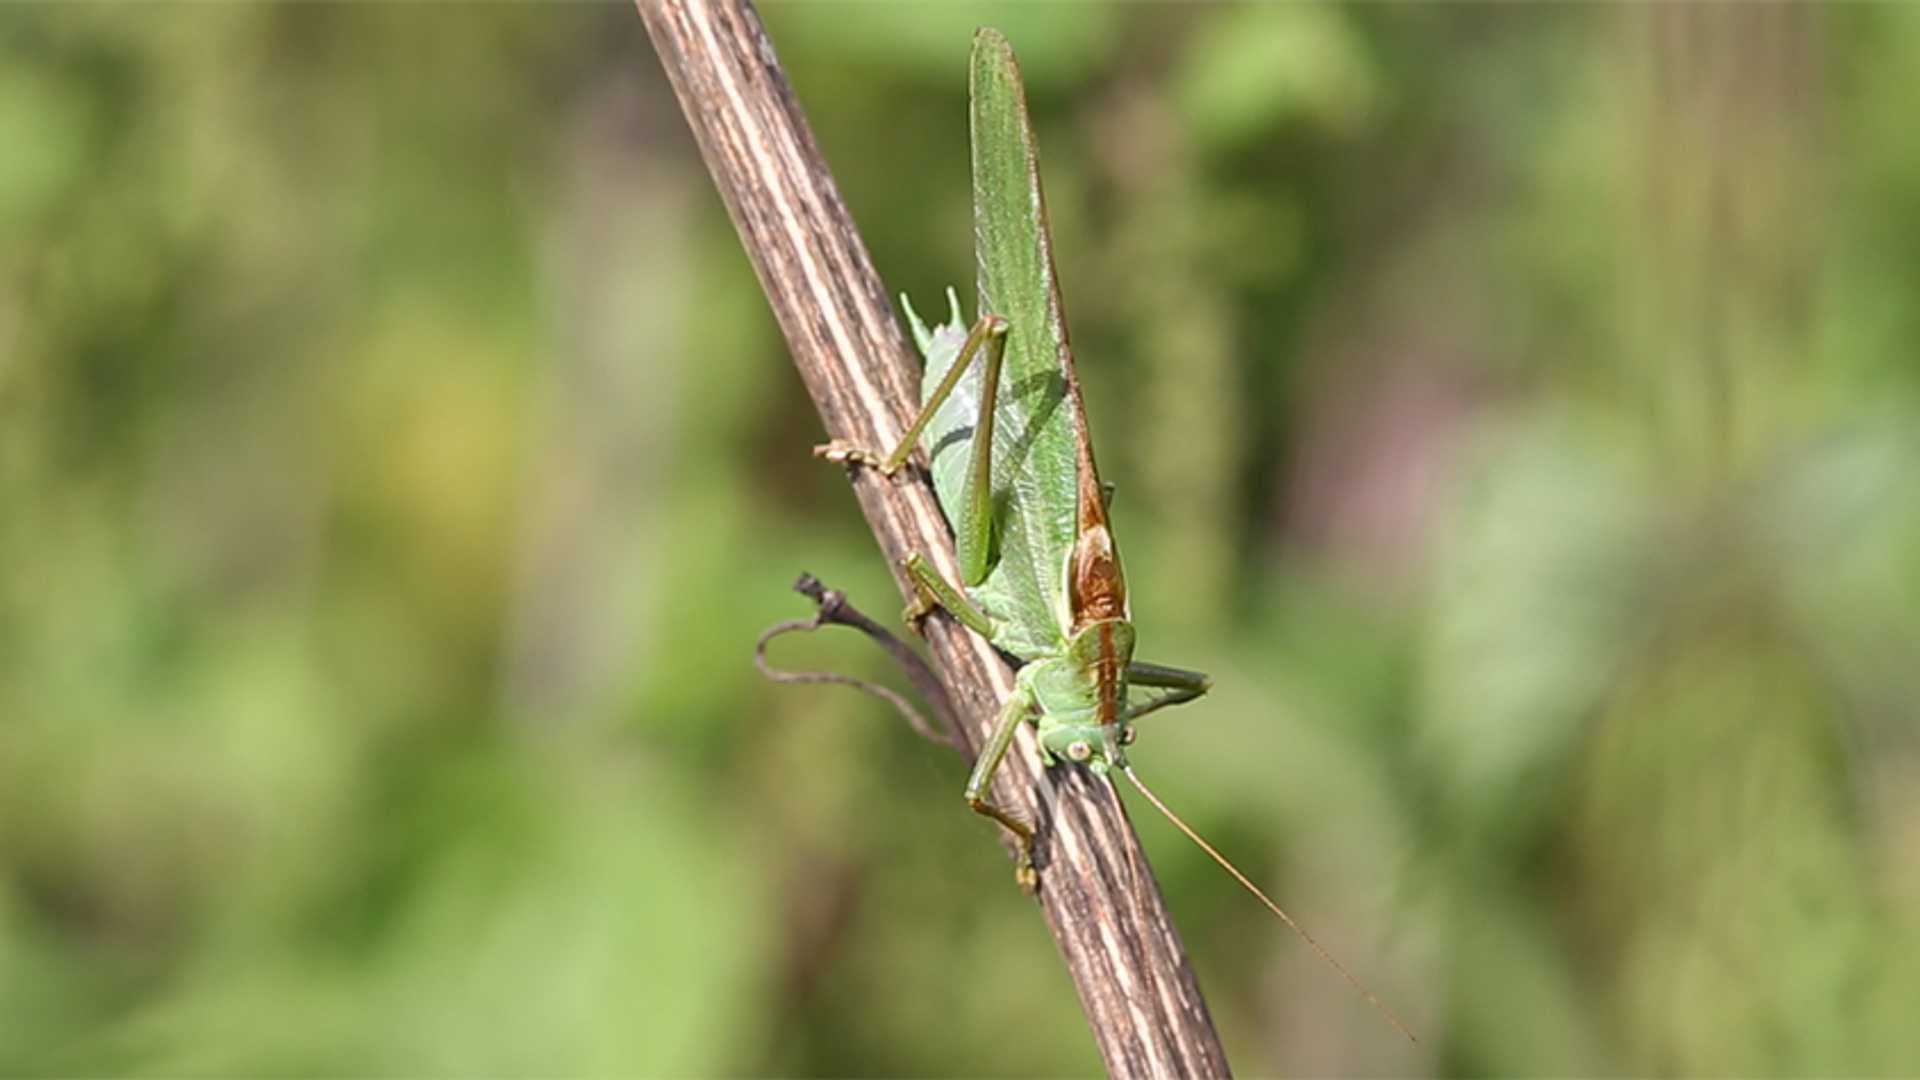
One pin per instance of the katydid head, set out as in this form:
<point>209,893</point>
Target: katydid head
<point>1084,697</point>
<point>1095,745</point>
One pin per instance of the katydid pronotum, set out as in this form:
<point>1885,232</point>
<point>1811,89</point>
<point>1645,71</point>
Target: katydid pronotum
<point>1012,465</point>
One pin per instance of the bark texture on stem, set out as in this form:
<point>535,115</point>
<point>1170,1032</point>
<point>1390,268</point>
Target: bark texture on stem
<point>1099,898</point>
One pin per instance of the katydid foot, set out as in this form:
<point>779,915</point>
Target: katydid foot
<point>842,452</point>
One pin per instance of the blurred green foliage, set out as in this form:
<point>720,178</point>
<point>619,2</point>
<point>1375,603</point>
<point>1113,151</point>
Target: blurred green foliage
<point>1512,407</point>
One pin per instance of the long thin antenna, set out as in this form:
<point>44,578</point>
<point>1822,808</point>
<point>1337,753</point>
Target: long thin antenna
<point>1271,906</point>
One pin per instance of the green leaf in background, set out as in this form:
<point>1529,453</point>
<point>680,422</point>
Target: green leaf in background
<point>1256,66</point>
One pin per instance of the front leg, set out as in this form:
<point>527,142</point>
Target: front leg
<point>1018,706</point>
<point>1181,686</point>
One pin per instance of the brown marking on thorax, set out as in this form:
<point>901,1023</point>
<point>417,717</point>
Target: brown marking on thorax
<point>1108,670</point>
<point>1097,589</point>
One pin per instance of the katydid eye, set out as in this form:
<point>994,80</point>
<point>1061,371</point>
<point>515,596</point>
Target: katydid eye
<point>1080,750</point>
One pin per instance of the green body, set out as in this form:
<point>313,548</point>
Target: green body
<point>1006,441</point>
<point>1011,462</point>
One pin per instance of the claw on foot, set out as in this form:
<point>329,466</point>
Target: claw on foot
<point>915,614</point>
<point>839,451</point>
<point>1027,876</point>
<point>923,603</point>
<point>842,452</point>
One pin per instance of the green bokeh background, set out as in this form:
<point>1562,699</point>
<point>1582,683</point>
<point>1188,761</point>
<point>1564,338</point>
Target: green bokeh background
<point>1513,407</point>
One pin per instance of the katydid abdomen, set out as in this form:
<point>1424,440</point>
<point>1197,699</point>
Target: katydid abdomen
<point>1018,579</point>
